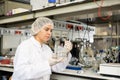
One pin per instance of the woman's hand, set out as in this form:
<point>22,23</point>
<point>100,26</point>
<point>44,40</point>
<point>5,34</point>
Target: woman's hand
<point>54,60</point>
<point>68,46</point>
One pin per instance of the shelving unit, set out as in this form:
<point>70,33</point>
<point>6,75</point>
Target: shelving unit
<point>105,36</point>
<point>61,11</point>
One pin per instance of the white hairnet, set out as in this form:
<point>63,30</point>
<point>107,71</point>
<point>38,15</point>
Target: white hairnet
<point>39,23</point>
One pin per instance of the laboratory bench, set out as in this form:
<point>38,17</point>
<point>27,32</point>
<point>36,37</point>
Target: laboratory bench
<point>5,71</point>
<point>86,74</point>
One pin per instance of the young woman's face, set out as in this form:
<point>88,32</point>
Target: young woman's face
<point>45,33</point>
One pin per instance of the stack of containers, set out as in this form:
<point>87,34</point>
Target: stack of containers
<point>38,4</point>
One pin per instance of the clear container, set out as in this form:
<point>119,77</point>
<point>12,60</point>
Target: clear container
<point>61,52</point>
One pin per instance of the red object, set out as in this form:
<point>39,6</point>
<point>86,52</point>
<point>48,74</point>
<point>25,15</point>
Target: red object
<point>100,16</point>
<point>69,26</point>
<point>99,11</point>
<point>17,32</point>
<point>80,27</point>
<point>5,61</point>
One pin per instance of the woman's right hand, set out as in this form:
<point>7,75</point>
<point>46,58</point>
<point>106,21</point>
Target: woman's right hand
<point>68,46</point>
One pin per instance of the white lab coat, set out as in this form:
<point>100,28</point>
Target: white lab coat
<point>31,61</point>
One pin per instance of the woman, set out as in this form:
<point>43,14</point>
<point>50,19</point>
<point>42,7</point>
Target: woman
<point>33,59</point>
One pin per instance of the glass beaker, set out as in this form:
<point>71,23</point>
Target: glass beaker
<point>61,52</point>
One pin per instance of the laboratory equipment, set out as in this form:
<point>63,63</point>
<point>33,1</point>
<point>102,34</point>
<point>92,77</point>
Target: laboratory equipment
<point>79,34</point>
<point>38,4</point>
<point>112,69</point>
<point>11,38</point>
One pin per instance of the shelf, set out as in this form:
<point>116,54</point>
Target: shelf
<point>8,69</point>
<point>105,36</point>
<point>76,8</point>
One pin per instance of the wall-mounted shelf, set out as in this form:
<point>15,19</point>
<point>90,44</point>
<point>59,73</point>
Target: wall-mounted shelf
<point>105,36</point>
<point>75,8</point>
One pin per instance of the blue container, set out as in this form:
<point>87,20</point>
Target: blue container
<point>73,68</point>
<point>52,1</point>
<point>1,57</point>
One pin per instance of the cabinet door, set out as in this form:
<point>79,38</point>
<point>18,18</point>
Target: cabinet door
<point>66,77</point>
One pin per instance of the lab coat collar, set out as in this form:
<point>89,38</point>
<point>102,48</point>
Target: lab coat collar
<point>35,42</point>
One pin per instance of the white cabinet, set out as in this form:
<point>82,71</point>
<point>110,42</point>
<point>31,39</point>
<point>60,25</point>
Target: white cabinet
<point>66,77</point>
